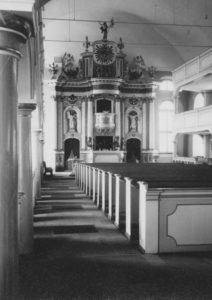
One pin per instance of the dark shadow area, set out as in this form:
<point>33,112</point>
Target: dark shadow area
<point>65,229</point>
<point>62,269</point>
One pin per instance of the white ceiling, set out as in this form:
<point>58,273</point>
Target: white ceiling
<point>166,33</point>
<point>17,5</point>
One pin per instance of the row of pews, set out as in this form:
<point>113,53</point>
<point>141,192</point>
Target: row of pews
<point>162,207</point>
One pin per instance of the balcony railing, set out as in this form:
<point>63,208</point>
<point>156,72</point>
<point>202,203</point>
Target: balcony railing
<point>194,68</point>
<point>194,121</point>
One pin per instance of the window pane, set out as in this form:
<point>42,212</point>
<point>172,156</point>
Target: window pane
<point>163,142</point>
<point>170,142</point>
<point>198,145</point>
<point>199,101</point>
<point>166,115</point>
<point>163,121</point>
<point>170,121</point>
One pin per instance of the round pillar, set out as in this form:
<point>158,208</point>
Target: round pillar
<point>149,154</point>
<point>83,125</point>
<point>90,120</point>
<point>152,125</point>
<point>118,117</point>
<point>38,162</point>
<point>12,36</point>
<point>25,177</point>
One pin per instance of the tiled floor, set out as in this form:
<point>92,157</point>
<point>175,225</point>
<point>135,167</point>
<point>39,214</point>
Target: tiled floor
<point>79,254</point>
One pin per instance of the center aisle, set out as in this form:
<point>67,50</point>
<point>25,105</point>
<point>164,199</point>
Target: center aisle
<point>79,254</point>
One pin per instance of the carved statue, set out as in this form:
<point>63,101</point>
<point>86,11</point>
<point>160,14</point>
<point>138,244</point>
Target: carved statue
<point>133,122</point>
<point>137,68</point>
<point>105,28</point>
<point>53,70</point>
<point>68,68</point>
<point>72,120</point>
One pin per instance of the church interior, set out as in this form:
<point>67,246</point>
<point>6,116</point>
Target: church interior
<point>106,161</point>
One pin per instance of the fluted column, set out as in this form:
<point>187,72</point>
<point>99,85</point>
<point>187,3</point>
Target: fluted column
<point>149,154</point>
<point>152,125</point>
<point>12,36</point>
<point>144,133</point>
<point>38,162</point>
<point>83,125</point>
<point>59,155</point>
<point>90,119</point>
<point>59,124</point>
<point>25,177</point>
<point>118,117</point>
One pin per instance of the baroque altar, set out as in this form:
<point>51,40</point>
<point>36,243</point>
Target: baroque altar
<point>105,106</point>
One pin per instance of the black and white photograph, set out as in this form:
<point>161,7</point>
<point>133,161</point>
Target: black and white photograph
<point>106,150</point>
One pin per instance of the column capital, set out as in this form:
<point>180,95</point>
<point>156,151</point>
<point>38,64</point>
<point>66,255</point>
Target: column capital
<point>25,109</point>
<point>14,31</point>
<point>15,23</point>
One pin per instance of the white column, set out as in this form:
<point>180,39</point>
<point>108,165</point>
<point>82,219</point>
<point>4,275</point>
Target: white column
<point>118,118</point>
<point>128,206</point>
<point>152,124</point>
<point>117,200</point>
<point>90,181</point>
<point>83,133</point>
<point>144,126</point>
<point>86,180</point>
<point>98,187</point>
<point>38,162</point>
<point>59,124</point>
<point>10,43</point>
<point>25,177</point>
<point>110,207</point>
<point>90,119</point>
<point>94,184</point>
<point>103,190</point>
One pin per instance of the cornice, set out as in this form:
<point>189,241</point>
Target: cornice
<point>26,106</point>
<point>104,85</point>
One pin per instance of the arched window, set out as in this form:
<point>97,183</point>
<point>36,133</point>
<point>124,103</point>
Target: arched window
<point>199,101</point>
<point>198,145</point>
<point>166,114</point>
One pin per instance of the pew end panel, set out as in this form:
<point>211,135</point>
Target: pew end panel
<point>134,212</point>
<point>185,220</point>
<point>113,197</point>
<point>148,218</point>
<point>122,206</point>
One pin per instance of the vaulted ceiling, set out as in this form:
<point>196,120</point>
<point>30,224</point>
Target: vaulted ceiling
<point>166,33</point>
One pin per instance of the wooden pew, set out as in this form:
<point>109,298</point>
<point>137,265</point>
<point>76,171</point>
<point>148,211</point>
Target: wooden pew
<point>162,213</point>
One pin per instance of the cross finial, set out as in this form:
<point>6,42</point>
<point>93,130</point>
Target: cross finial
<point>120,45</point>
<point>86,44</point>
